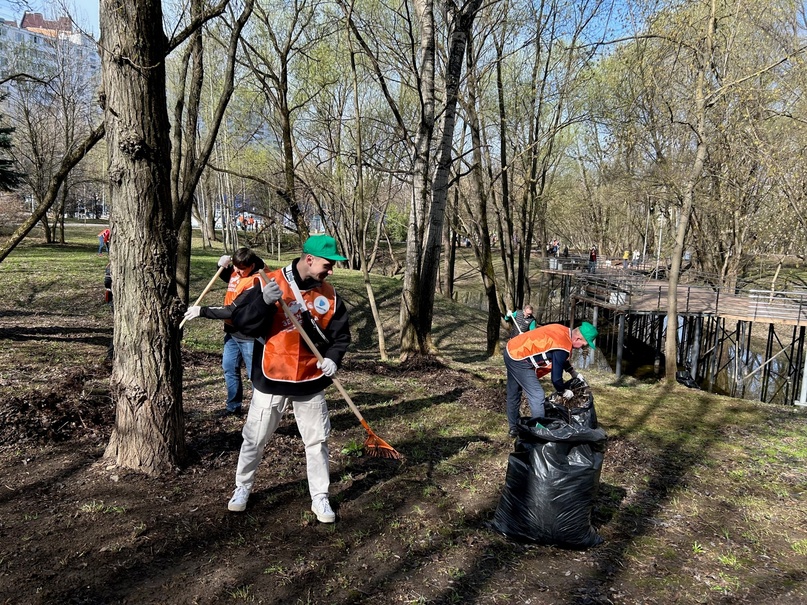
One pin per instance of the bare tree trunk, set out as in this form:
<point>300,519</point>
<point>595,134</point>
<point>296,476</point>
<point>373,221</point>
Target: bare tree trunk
<point>362,248</point>
<point>413,341</point>
<point>703,61</point>
<point>418,308</point>
<point>505,228</point>
<point>60,211</point>
<point>189,161</point>
<point>449,245</point>
<point>479,211</point>
<point>146,382</point>
<point>183,148</point>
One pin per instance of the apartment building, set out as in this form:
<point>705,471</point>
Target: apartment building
<point>40,44</point>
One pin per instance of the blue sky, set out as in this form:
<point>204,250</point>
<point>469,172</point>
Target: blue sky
<point>84,12</point>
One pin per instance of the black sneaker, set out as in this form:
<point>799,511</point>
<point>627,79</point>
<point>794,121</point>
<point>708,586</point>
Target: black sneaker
<point>513,433</point>
<point>225,413</point>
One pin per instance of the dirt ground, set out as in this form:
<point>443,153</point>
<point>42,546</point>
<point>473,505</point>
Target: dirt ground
<point>75,529</point>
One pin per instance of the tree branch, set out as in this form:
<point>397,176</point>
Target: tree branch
<point>68,162</point>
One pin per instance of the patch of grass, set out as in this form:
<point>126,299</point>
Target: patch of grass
<point>799,547</point>
<point>98,506</point>
<point>242,593</point>
<point>354,448</point>
<point>729,560</point>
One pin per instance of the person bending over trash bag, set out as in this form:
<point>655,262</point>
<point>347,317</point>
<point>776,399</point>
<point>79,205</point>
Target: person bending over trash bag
<point>536,353</point>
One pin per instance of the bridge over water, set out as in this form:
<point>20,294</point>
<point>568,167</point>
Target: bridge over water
<point>717,330</point>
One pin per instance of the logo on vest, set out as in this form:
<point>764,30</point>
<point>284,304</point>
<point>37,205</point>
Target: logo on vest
<point>321,305</point>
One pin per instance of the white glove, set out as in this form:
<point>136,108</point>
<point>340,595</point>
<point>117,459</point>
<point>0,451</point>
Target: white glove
<point>579,377</point>
<point>567,394</point>
<point>271,292</point>
<point>328,366</point>
<point>224,261</point>
<point>192,313</point>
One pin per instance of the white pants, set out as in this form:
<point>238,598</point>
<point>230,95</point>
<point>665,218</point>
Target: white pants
<point>313,422</point>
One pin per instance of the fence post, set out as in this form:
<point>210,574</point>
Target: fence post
<point>803,400</point>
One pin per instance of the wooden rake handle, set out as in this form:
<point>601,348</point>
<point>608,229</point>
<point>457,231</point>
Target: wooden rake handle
<point>316,352</point>
<point>205,291</point>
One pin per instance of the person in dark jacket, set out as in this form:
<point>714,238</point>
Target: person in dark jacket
<point>538,352</point>
<point>592,260</point>
<point>285,371</point>
<point>241,274</point>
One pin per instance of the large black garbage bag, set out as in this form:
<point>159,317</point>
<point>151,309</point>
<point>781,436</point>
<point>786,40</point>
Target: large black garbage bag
<point>685,378</point>
<point>552,480</point>
<point>579,411</point>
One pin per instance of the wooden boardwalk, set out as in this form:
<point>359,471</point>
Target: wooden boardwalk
<point>635,293</point>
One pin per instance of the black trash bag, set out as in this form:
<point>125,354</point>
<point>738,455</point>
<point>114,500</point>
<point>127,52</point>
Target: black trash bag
<point>579,411</point>
<point>685,378</point>
<point>552,480</point>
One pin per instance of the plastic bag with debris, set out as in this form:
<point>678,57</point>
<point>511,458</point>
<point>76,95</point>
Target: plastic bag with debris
<point>552,479</point>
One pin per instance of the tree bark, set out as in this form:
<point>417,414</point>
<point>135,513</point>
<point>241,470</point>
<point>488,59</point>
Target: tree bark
<point>191,156</point>
<point>430,197</point>
<point>146,382</point>
<point>362,244</point>
<point>479,211</point>
<point>413,340</point>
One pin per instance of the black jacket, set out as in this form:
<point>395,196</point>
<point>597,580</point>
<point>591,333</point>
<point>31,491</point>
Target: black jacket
<point>226,312</point>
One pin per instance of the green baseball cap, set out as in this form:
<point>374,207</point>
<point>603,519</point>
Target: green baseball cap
<point>588,332</point>
<point>323,246</point>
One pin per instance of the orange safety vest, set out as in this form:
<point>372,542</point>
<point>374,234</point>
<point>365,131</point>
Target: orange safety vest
<point>286,357</point>
<point>237,285</point>
<point>551,337</point>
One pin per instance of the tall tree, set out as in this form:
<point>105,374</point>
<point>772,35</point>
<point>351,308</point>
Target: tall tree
<point>191,148</point>
<point>147,371</point>
<point>283,38</point>
<point>146,378</point>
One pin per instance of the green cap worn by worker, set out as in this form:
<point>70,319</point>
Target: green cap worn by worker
<point>588,332</point>
<point>323,246</point>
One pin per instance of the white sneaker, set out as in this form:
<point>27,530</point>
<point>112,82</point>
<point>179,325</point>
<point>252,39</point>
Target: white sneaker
<point>322,509</point>
<point>239,500</point>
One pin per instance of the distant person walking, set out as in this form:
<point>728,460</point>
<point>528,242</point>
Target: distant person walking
<point>103,241</point>
<point>592,260</point>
